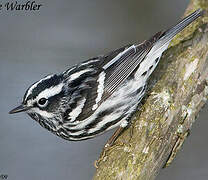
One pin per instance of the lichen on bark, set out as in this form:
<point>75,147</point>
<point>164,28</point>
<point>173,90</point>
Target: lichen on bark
<point>178,90</point>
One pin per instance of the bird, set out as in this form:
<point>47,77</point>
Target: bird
<point>100,93</point>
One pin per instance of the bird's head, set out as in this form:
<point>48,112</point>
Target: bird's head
<point>43,99</point>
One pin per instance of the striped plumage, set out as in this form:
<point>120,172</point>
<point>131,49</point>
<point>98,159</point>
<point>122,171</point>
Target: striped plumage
<point>100,93</point>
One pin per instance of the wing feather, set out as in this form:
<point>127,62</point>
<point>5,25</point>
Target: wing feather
<point>115,67</point>
<point>111,71</point>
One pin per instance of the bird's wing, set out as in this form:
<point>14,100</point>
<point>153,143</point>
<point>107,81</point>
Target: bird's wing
<point>103,75</point>
<point>109,71</point>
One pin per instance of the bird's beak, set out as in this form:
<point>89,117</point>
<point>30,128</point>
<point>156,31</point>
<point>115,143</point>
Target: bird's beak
<point>20,108</point>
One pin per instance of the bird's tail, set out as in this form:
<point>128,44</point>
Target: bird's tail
<point>170,33</point>
<point>164,40</point>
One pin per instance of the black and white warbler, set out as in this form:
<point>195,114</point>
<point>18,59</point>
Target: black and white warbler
<point>98,94</point>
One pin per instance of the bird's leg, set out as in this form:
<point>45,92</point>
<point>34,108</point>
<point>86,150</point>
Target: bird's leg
<point>113,138</point>
<point>109,145</point>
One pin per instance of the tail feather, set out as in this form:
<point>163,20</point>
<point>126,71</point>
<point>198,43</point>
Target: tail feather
<point>168,35</point>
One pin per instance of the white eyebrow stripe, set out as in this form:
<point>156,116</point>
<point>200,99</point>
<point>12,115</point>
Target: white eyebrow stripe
<point>50,91</point>
<point>78,74</point>
<point>35,85</point>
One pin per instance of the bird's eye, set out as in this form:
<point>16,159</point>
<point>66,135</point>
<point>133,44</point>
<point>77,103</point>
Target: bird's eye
<point>42,102</point>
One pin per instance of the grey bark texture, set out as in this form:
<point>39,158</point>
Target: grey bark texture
<point>178,90</point>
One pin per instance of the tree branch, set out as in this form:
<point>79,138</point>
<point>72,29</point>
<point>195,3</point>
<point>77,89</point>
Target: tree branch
<point>178,90</point>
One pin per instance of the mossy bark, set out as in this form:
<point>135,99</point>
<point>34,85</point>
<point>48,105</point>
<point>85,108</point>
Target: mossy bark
<point>178,90</point>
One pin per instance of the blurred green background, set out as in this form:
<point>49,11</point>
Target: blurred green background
<point>62,33</point>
